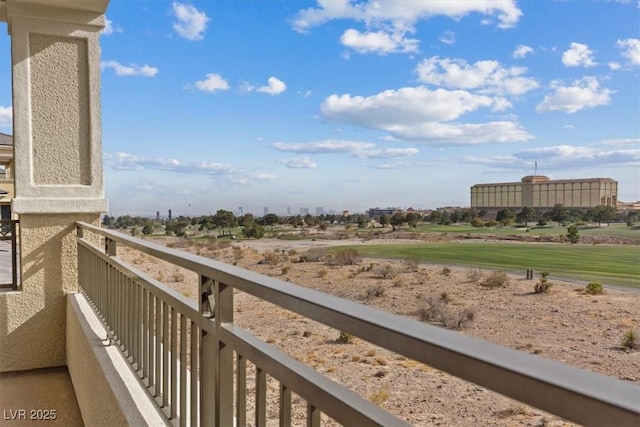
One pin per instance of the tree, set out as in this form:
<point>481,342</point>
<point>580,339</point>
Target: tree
<point>413,218</point>
<point>224,219</point>
<point>147,229</point>
<point>398,219</point>
<point>572,234</point>
<point>526,214</point>
<point>246,220</point>
<point>384,220</point>
<point>506,216</point>
<point>270,219</point>
<point>606,214</point>
<point>254,231</point>
<point>107,221</point>
<point>558,213</point>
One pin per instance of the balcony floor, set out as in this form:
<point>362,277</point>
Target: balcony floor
<point>26,397</point>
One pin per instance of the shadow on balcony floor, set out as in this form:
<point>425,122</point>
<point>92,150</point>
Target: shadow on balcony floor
<point>38,397</point>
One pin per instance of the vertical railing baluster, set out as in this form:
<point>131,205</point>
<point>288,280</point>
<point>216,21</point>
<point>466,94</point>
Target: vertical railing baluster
<point>195,375</point>
<point>241,390</point>
<point>158,352</point>
<point>285,406</point>
<point>150,367</point>
<point>261,397</point>
<point>145,334</point>
<point>313,416</point>
<point>165,354</point>
<point>136,326</point>
<point>183,370</point>
<point>174,363</point>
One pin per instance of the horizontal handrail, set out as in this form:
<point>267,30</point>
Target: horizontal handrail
<point>567,391</point>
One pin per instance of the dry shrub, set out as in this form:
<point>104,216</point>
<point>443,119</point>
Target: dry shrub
<point>594,288</point>
<point>345,338</point>
<point>496,279</point>
<point>446,271</point>
<point>412,265</point>
<point>380,396</point>
<point>384,272</point>
<point>375,291</point>
<point>272,258</point>
<point>347,257</point>
<point>313,255</point>
<point>438,312</point>
<point>474,275</point>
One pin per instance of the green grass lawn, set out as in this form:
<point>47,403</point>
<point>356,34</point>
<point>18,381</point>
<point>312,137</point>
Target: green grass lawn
<point>615,230</point>
<point>609,264</point>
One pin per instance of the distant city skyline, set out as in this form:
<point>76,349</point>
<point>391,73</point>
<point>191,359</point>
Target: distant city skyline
<point>352,104</point>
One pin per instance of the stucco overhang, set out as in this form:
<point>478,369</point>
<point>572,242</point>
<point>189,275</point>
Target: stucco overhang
<point>89,12</point>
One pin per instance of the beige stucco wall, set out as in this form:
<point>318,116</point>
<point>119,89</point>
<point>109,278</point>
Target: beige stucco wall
<point>55,56</point>
<point>60,112</point>
<point>32,321</point>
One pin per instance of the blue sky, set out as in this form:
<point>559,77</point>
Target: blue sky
<point>348,104</point>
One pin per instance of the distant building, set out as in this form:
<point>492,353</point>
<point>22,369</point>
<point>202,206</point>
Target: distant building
<point>304,211</point>
<point>7,189</point>
<point>319,210</point>
<point>266,210</point>
<point>539,191</point>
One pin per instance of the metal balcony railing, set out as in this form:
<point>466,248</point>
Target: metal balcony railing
<point>9,254</point>
<point>193,358</point>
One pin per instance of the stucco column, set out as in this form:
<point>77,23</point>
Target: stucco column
<point>58,167</point>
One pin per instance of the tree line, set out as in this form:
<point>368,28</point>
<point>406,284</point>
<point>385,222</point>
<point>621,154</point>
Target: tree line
<point>223,222</point>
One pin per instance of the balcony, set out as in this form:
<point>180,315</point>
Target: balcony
<point>192,360</point>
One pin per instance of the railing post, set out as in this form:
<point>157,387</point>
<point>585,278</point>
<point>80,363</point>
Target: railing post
<point>224,394</point>
<point>207,356</point>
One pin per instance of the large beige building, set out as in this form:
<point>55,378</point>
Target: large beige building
<point>539,191</point>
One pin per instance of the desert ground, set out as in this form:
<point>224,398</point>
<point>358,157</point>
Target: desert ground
<point>566,324</point>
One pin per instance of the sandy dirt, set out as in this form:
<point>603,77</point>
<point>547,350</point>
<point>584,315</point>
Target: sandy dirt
<point>565,324</point>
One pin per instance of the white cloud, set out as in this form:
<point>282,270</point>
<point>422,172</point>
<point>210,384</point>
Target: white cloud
<point>323,147</point>
<point>486,76</point>
<point>225,172</point>
<point>614,66</point>
<point>584,93</point>
<point>108,27</point>
<point>522,51</point>
<point>382,13</point>
<point>189,23</point>
<point>622,141</point>
<point>578,55</point>
<point>274,86</point>
<point>6,116</point>
<point>630,50</point>
<point>386,153</point>
<point>211,83</point>
<point>561,157</point>
<point>417,113</point>
<point>449,37</point>
<point>380,42</point>
<point>298,163</point>
<point>388,21</point>
<point>131,69</point>
<point>411,105</point>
